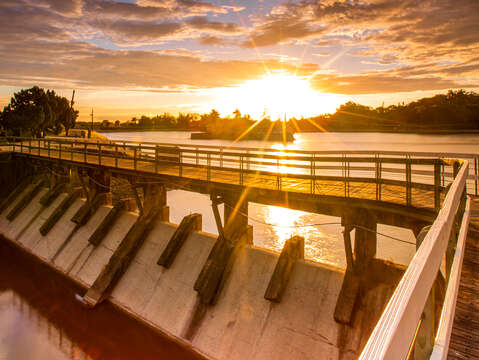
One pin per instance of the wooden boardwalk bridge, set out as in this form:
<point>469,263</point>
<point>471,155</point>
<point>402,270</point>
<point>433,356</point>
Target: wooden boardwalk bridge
<point>364,188</point>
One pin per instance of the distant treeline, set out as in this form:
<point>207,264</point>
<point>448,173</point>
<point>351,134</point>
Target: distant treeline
<point>230,127</point>
<point>455,111</point>
<point>35,112</point>
<point>451,112</point>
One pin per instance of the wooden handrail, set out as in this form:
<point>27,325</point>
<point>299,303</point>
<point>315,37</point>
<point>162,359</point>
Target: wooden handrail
<point>441,344</point>
<point>393,334</point>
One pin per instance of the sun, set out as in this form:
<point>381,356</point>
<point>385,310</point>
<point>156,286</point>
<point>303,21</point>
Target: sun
<point>278,95</point>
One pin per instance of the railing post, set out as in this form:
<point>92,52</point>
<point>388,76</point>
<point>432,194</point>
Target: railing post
<point>99,153</point>
<point>278,175</point>
<point>71,151</point>
<point>475,175</point>
<point>38,147</point>
<point>313,174</point>
<point>408,181</point>
<point>437,185</point>
<point>29,145</point>
<point>116,155</point>
<point>156,159</point>
<point>48,148</point>
<point>84,151</point>
<point>134,158</point>
<point>208,166</point>
<point>60,150</point>
<point>180,160</point>
<point>379,166</point>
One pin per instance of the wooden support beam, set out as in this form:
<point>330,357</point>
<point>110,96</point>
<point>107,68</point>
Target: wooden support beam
<point>348,247</point>
<point>214,275</point>
<point>13,195</point>
<point>105,226</point>
<point>189,224</point>
<point>210,277</point>
<point>25,200</point>
<point>235,212</point>
<point>86,211</point>
<point>59,211</point>
<point>293,250</point>
<point>365,240</point>
<point>216,213</point>
<point>120,260</point>
<point>139,205</point>
<point>347,297</point>
<point>52,194</point>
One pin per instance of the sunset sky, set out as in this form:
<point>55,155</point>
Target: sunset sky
<point>127,58</point>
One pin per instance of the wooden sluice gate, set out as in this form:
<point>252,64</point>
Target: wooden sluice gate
<point>221,295</point>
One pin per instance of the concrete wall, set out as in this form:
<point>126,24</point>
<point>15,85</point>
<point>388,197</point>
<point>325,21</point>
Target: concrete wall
<point>242,325</point>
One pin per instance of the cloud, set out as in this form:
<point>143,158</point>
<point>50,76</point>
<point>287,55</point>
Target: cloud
<point>211,40</point>
<point>280,31</point>
<point>65,7</point>
<point>93,67</point>
<point>124,31</point>
<point>203,24</point>
<point>194,7</point>
<point>377,83</point>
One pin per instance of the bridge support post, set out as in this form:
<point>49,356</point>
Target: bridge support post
<point>154,197</point>
<point>235,214</point>
<point>99,184</point>
<point>365,241</point>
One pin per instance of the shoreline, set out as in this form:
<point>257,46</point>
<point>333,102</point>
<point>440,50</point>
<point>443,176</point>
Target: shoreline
<point>422,132</point>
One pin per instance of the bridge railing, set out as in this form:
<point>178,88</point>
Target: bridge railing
<point>391,172</point>
<point>394,334</point>
<point>473,159</point>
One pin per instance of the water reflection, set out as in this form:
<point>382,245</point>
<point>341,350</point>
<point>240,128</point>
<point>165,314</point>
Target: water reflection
<point>39,319</point>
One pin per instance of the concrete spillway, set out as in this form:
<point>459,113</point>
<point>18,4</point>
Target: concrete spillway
<point>242,324</point>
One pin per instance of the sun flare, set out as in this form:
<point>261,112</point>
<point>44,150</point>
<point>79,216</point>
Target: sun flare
<point>278,95</point>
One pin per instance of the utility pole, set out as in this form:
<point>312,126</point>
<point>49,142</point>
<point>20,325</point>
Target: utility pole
<point>91,129</point>
<point>71,111</point>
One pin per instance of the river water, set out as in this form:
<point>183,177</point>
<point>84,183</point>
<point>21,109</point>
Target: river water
<point>272,226</point>
<point>40,320</point>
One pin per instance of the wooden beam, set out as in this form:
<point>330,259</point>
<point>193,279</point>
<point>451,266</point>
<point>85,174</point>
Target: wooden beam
<point>348,247</point>
<point>120,260</point>
<point>85,212</point>
<point>105,226</point>
<point>216,213</point>
<point>211,275</point>
<point>189,224</point>
<point>14,194</point>
<point>52,194</point>
<point>347,297</point>
<point>293,250</point>
<point>59,211</point>
<point>25,200</point>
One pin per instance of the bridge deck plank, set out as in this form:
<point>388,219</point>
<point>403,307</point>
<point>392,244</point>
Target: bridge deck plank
<point>465,332</point>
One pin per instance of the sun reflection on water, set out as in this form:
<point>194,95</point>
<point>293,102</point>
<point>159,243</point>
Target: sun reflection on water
<point>321,233</point>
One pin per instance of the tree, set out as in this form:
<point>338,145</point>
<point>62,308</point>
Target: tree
<point>63,112</point>
<point>34,111</point>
